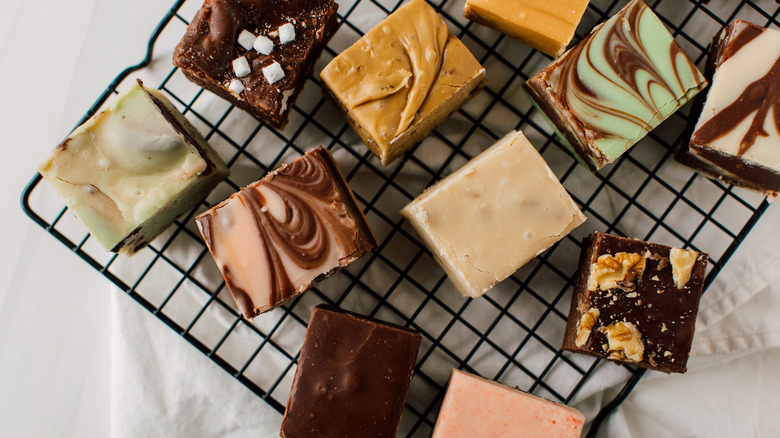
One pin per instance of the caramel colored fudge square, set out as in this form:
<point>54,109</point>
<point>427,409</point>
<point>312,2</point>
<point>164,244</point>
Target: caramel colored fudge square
<point>477,408</point>
<point>402,79</point>
<point>545,25</point>
<point>510,202</point>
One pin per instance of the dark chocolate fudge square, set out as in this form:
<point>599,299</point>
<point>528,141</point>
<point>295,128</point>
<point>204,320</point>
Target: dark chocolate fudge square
<point>352,377</point>
<point>635,302</point>
<point>257,54</point>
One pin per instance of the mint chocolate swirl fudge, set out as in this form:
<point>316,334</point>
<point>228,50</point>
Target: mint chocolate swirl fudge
<point>621,81</point>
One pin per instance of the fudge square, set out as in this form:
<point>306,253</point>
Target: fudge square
<point>402,79</point>
<point>635,302</point>
<point>512,206</point>
<point>279,236</point>
<point>607,92</point>
<point>256,54</point>
<point>477,408</point>
<point>352,377</point>
<point>737,136</point>
<point>545,25</point>
<point>130,170</point>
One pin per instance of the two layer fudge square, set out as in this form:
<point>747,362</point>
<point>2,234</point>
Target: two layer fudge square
<point>279,236</point>
<point>130,170</point>
<point>402,79</point>
<point>256,54</point>
<point>474,407</point>
<point>352,378</point>
<point>490,217</point>
<point>621,81</point>
<point>635,302</point>
<point>545,25</point>
<point>737,136</point>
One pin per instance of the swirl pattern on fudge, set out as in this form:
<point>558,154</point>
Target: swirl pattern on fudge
<point>276,237</point>
<point>412,48</point>
<point>625,77</point>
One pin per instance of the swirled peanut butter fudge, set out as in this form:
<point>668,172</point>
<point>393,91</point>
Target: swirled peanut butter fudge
<point>490,217</point>
<point>545,25</point>
<point>256,54</point>
<point>737,136</point>
<point>130,170</point>
<point>279,236</point>
<point>607,92</point>
<point>635,302</point>
<point>402,79</point>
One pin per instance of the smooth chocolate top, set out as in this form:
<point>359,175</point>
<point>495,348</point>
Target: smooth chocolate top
<point>211,44</point>
<point>278,236</point>
<point>663,313</point>
<point>352,378</point>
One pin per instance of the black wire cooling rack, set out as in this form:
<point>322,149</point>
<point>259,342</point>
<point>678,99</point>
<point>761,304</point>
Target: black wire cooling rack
<point>513,333</point>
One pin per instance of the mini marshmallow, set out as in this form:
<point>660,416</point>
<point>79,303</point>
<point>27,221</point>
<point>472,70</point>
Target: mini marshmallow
<point>286,33</point>
<point>245,39</point>
<point>273,72</point>
<point>263,45</point>
<point>241,67</point>
<point>236,86</point>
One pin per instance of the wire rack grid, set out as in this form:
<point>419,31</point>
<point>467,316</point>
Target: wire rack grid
<point>513,333</point>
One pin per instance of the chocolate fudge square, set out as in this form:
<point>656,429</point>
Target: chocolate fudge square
<point>279,236</point>
<point>635,302</point>
<point>737,134</point>
<point>256,54</point>
<point>352,378</point>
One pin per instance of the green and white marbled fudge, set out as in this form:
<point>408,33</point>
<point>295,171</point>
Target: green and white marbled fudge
<point>621,81</point>
<point>130,170</point>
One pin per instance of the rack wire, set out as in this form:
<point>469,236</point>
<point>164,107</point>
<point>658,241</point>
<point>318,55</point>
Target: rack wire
<point>513,333</point>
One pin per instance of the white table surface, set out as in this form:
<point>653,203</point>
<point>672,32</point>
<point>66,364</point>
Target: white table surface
<point>55,343</point>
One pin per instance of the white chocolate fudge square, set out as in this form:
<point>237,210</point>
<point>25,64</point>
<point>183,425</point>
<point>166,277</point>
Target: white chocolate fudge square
<point>493,215</point>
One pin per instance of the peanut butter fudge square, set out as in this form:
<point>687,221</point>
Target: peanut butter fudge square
<point>130,170</point>
<point>737,135</point>
<point>621,81</point>
<point>256,54</point>
<point>402,79</point>
<point>546,25</point>
<point>478,408</point>
<point>490,217</point>
<point>279,236</point>
<point>352,377</point>
<point>635,302</point>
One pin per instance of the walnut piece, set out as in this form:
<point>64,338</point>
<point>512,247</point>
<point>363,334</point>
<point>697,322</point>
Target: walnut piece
<point>625,341</point>
<point>585,326</point>
<point>621,270</point>
<point>682,261</point>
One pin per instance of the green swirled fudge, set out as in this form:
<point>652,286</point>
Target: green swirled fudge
<point>403,78</point>
<point>130,170</point>
<point>607,92</point>
<point>737,135</point>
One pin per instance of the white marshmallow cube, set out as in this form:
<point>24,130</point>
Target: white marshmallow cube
<point>236,86</point>
<point>263,45</point>
<point>286,33</point>
<point>241,67</point>
<point>245,39</point>
<point>273,72</point>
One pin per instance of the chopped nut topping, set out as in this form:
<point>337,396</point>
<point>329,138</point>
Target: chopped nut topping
<point>667,353</point>
<point>631,295</point>
<point>619,271</point>
<point>625,341</point>
<point>682,265</point>
<point>585,326</point>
